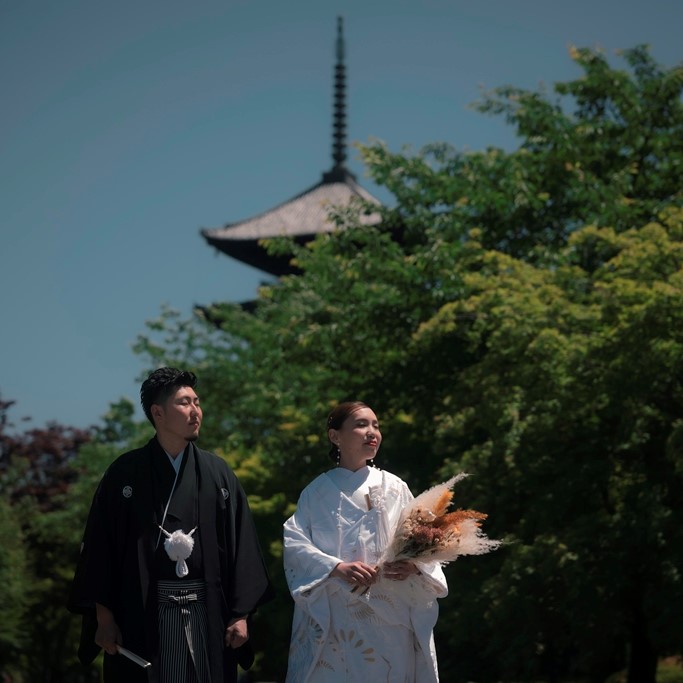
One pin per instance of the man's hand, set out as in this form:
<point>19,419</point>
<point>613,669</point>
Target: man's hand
<point>237,633</point>
<point>108,635</point>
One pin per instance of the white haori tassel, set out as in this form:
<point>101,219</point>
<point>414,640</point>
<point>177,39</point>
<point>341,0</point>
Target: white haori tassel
<point>179,547</point>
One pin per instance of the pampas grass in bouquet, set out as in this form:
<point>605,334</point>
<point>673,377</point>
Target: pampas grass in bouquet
<point>428,532</point>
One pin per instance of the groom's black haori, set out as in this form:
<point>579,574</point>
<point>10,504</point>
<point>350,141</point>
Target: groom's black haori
<point>123,561</point>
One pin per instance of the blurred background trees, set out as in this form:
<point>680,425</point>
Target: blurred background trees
<point>517,315</point>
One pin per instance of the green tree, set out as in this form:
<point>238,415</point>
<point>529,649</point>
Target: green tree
<point>12,560</point>
<point>570,418</point>
<point>15,587</point>
<point>604,149</point>
<point>37,565</point>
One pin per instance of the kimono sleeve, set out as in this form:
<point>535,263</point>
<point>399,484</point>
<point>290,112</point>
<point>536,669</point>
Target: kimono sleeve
<point>251,584</point>
<point>92,580</point>
<point>93,577</point>
<point>306,566</point>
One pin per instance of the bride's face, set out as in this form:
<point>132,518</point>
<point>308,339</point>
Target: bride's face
<point>358,438</point>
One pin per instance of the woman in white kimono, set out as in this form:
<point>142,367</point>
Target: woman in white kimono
<point>355,620</point>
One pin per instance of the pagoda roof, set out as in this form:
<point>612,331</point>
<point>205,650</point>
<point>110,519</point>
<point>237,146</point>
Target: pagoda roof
<point>301,218</point>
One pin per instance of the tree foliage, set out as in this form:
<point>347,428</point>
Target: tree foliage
<point>569,419</point>
<point>604,149</point>
<point>37,635</point>
<point>13,580</point>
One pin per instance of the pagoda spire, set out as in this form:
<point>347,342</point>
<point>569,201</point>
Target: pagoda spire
<point>306,215</point>
<point>339,171</point>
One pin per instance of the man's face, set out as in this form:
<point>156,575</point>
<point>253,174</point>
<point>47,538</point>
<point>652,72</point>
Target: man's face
<point>180,416</point>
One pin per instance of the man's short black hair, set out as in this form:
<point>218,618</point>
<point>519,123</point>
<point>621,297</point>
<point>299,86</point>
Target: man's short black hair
<point>162,383</point>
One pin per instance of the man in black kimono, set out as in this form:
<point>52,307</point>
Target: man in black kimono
<point>170,565</point>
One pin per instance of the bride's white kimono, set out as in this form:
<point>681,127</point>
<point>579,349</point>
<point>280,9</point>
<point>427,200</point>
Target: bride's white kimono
<point>339,635</point>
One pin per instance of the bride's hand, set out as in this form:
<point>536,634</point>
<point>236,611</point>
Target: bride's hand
<point>399,571</point>
<point>355,573</point>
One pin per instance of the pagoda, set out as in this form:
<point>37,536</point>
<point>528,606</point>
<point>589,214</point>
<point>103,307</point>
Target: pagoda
<point>307,214</point>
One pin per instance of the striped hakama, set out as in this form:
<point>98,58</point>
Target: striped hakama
<point>183,628</point>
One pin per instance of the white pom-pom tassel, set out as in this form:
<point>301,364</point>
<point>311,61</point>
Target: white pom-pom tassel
<point>178,547</point>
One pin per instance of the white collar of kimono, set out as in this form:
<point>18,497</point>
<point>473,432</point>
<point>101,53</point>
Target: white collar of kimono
<point>355,485</point>
<point>176,461</point>
<point>342,474</point>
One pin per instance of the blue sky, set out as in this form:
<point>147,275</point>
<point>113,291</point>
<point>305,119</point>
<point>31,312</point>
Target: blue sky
<point>127,126</point>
